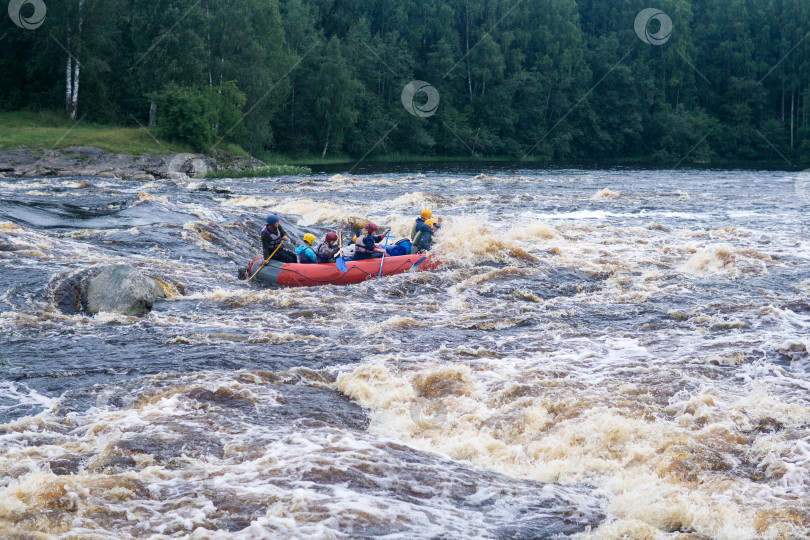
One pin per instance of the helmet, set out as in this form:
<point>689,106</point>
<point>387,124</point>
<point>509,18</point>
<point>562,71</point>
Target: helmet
<point>425,214</point>
<point>272,219</point>
<point>309,238</point>
<point>331,237</point>
<point>370,227</point>
<point>430,222</point>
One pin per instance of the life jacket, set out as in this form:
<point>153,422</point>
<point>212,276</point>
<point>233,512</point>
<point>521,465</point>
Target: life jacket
<point>415,226</point>
<point>275,237</point>
<point>304,256</point>
<point>360,246</point>
<point>415,243</point>
<point>324,252</point>
<point>424,231</point>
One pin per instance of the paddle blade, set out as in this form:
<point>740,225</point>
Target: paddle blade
<point>417,263</point>
<point>341,264</point>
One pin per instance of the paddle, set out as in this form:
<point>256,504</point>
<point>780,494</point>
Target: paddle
<point>340,262</point>
<point>384,252</point>
<point>265,262</point>
<point>417,263</point>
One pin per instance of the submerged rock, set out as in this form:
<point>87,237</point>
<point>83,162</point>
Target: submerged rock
<point>122,289</point>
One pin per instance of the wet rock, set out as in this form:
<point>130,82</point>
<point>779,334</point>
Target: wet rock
<point>11,159</point>
<point>113,464</point>
<point>65,466</point>
<point>91,161</point>
<point>122,289</point>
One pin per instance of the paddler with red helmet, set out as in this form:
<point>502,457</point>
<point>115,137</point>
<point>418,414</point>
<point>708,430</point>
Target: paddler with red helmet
<point>366,245</point>
<point>326,251</point>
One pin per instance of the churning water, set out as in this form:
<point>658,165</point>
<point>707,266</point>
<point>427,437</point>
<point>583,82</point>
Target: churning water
<point>605,354</point>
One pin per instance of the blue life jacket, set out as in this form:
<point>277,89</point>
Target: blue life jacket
<point>306,254</point>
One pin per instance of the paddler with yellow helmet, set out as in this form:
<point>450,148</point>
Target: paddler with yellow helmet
<point>423,216</point>
<point>306,255</point>
<point>423,238</point>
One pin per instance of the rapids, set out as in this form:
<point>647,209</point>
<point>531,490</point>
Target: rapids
<point>606,354</point>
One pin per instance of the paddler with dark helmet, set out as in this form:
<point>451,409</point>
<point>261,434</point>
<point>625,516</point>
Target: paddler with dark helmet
<point>273,236</point>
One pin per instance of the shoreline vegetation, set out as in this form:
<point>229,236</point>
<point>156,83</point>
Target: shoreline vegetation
<point>47,134</point>
<point>684,83</point>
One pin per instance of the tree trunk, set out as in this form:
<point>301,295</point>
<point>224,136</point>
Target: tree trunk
<point>72,86</point>
<point>68,79</point>
<point>152,114</point>
<point>74,103</point>
<point>326,144</point>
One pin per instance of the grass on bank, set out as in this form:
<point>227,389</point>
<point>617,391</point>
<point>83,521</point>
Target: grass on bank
<point>267,170</point>
<point>47,130</point>
<point>393,157</point>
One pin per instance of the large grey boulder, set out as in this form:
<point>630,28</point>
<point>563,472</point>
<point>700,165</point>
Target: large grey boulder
<point>122,289</point>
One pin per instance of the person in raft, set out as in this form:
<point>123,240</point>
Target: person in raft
<point>327,249</point>
<point>306,255</point>
<point>273,235</point>
<point>423,239</point>
<point>366,246</point>
<point>423,216</point>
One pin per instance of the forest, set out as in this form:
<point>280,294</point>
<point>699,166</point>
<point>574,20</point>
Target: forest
<point>709,81</point>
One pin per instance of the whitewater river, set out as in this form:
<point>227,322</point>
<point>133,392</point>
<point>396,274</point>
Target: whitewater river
<point>605,354</point>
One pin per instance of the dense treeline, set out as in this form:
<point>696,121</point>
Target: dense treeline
<point>547,79</point>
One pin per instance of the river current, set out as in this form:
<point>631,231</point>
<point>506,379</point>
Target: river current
<point>603,354</point>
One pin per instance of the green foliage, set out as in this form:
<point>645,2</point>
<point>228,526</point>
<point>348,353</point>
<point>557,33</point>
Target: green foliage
<point>196,115</point>
<point>260,172</point>
<point>547,80</point>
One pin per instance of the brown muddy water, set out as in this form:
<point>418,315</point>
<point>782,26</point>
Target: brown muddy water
<point>606,354</point>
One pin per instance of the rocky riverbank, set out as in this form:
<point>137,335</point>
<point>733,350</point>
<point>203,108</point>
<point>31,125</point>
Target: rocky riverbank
<point>91,161</point>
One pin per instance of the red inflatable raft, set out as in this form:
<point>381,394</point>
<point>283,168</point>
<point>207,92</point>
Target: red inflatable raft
<point>312,275</point>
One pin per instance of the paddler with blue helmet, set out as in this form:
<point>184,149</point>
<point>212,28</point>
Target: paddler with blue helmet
<point>273,236</point>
